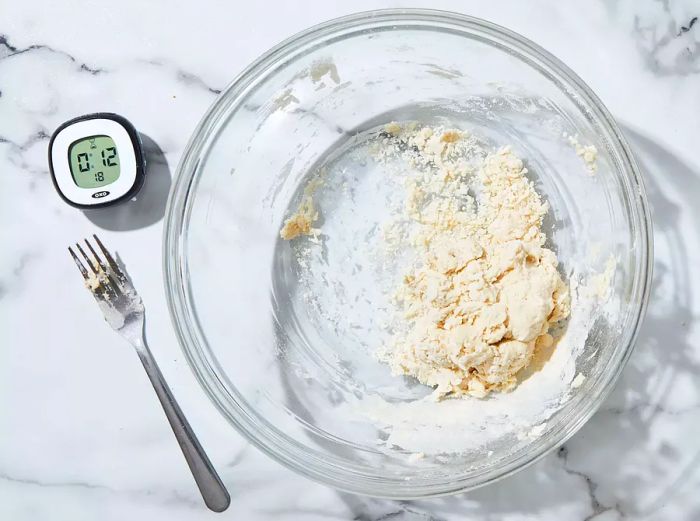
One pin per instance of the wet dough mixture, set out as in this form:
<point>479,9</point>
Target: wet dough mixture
<point>483,290</point>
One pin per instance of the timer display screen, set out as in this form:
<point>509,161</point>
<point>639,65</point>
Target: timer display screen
<point>94,161</point>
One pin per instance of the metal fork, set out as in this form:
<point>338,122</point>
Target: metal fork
<point>124,311</point>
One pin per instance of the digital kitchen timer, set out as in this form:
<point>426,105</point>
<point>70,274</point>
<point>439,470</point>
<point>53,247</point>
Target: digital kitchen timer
<point>96,160</point>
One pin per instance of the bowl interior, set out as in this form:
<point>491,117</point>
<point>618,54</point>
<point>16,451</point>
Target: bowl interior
<point>286,347</point>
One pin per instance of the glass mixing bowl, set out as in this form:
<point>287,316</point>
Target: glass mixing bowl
<point>286,354</point>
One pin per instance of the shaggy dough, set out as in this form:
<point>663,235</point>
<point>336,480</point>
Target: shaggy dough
<point>301,222</point>
<point>485,290</point>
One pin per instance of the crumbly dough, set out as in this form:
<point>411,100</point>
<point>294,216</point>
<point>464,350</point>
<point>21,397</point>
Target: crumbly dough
<point>589,153</point>
<point>485,290</point>
<point>95,280</point>
<point>301,222</point>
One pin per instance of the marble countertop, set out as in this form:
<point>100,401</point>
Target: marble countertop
<point>81,434</point>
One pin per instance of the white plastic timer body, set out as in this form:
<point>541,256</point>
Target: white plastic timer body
<point>110,168</point>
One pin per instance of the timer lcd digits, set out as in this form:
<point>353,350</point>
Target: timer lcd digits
<point>96,160</point>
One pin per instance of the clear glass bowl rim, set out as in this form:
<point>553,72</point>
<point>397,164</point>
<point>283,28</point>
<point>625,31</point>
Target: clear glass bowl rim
<point>293,455</point>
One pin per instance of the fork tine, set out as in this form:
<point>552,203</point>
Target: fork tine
<point>98,291</point>
<point>113,287</point>
<point>95,256</point>
<point>78,263</point>
<point>110,259</point>
<point>87,259</point>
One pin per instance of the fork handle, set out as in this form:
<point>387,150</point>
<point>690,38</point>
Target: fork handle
<point>213,491</point>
